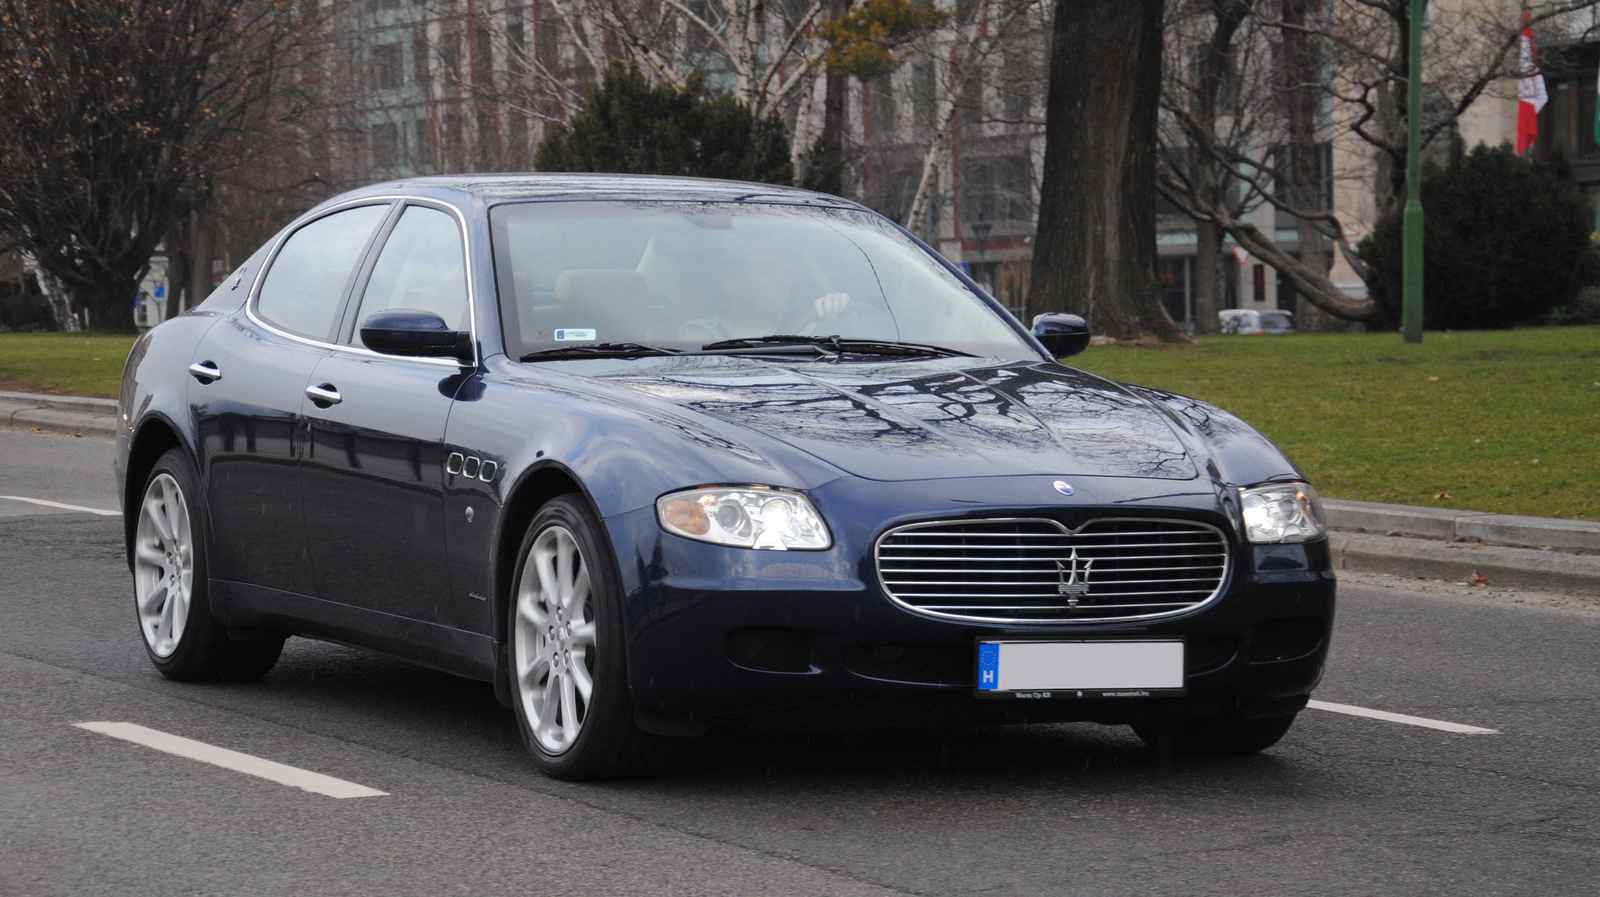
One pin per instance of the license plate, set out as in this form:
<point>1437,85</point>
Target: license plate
<point>1083,669</point>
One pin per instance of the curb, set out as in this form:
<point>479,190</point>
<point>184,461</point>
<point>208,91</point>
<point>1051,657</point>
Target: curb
<point>1468,526</point>
<point>70,415</point>
<point>1466,562</point>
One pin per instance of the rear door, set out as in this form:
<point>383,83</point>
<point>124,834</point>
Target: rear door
<point>246,389</point>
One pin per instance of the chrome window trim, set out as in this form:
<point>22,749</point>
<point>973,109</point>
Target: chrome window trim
<point>1222,582</point>
<point>363,351</point>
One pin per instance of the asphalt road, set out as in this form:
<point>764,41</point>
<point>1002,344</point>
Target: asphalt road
<point>1344,805</point>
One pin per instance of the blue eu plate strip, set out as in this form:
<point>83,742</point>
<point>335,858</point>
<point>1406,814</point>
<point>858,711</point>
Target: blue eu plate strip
<point>988,667</point>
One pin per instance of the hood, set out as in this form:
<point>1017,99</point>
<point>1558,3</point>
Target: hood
<point>927,419</point>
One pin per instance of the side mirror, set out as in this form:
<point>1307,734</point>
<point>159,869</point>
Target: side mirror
<point>407,331</point>
<point>1062,335</point>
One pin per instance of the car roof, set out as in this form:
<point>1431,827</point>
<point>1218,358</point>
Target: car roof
<point>493,189</point>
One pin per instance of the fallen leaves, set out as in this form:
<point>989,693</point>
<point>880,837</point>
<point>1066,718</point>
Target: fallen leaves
<point>1478,579</point>
<point>1442,494</point>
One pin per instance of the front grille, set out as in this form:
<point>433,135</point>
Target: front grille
<point>1035,570</point>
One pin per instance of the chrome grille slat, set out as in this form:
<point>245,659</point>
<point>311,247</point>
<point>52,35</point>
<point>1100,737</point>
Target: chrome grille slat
<point>1004,570</point>
<point>1036,571</point>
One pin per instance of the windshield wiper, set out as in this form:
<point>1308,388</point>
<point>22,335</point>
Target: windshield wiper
<point>599,350</point>
<point>832,345</point>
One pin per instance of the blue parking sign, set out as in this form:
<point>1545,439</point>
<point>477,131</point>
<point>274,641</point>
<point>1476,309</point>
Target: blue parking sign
<point>988,667</point>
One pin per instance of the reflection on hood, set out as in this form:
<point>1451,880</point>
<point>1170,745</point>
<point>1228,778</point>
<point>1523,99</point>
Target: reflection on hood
<point>914,420</point>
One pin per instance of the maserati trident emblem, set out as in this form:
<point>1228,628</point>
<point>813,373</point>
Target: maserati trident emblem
<point>1063,487</point>
<point>1072,579</point>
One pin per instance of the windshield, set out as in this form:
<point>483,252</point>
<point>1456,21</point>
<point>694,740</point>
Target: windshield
<point>682,275</point>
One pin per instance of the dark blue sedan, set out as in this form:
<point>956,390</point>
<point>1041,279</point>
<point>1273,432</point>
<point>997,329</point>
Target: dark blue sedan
<point>654,455</point>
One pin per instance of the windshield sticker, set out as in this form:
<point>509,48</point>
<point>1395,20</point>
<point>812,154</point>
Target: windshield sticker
<point>571,334</point>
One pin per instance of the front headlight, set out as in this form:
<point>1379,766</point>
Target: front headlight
<point>744,517</point>
<point>1282,512</point>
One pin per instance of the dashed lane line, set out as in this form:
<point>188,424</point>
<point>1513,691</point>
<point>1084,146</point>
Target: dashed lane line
<point>1385,715</point>
<point>294,777</point>
<point>65,507</point>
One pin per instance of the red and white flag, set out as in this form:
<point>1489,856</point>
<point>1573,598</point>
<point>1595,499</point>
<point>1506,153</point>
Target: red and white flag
<point>1531,95</point>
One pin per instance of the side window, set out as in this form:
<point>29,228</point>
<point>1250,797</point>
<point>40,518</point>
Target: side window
<point>422,267</point>
<point>309,275</point>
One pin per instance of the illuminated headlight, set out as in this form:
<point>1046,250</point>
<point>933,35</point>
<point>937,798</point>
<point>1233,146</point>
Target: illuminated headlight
<point>1282,512</point>
<point>744,517</point>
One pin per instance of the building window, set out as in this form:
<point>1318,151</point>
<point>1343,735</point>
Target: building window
<point>483,57</point>
<point>450,57</point>
<point>386,145</point>
<point>419,57</point>
<point>388,66</point>
<point>922,93</point>
<point>422,156</point>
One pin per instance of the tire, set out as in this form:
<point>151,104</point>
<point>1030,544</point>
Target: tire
<point>171,601</point>
<point>567,658</point>
<point>1217,736</point>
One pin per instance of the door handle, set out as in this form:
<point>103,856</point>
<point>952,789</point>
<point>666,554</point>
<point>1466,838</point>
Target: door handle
<point>323,396</point>
<point>205,371</point>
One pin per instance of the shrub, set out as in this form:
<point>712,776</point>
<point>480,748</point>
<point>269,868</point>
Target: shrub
<point>1505,240</point>
<point>1584,309</point>
<point>627,126</point>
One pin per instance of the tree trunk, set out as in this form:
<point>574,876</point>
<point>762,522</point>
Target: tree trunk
<point>1095,249</point>
<point>55,296</point>
<point>1207,277</point>
<point>1302,95</point>
<point>202,249</point>
<point>825,173</point>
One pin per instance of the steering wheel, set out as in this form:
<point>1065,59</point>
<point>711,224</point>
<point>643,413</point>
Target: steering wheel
<point>855,309</point>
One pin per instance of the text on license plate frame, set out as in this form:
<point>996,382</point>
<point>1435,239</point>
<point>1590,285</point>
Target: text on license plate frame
<point>1080,668</point>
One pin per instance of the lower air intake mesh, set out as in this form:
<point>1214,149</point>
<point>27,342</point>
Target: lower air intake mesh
<point>769,649</point>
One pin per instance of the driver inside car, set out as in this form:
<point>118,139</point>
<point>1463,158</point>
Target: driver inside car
<point>759,302</point>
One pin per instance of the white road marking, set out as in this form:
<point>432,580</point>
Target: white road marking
<point>1401,718</point>
<point>64,507</point>
<point>294,777</point>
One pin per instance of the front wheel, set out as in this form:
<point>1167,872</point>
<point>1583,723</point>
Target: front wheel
<point>1215,736</point>
<point>568,662</point>
<point>182,638</point>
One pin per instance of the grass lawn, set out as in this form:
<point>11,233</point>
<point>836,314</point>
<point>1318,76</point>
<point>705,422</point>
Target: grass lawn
<point>1502,421</point>
<point>79,364</point>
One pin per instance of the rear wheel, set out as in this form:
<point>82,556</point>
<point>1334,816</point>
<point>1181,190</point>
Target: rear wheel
<point>181,637</point>
<point>1222,735</point>
<point>567,656</point>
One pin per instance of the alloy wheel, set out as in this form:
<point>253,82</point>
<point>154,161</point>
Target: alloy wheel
<point>163,565</point>
<point>554,649</point>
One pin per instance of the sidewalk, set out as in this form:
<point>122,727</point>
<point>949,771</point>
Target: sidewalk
<point>1427,543</point>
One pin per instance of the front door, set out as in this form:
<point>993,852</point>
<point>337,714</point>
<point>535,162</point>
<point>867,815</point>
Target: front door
<point>374,468</point>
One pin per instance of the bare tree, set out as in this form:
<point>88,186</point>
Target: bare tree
<point>959,53</point>
<point>116,118</point>
<point>1299,56</point>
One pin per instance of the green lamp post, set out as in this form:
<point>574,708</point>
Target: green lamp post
<point>1411,308</point>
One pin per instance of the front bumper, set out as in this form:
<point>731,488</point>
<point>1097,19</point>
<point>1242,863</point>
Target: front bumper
<point>810,639</point>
